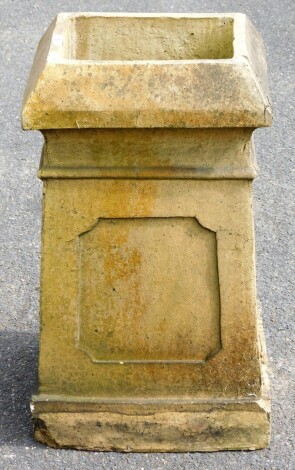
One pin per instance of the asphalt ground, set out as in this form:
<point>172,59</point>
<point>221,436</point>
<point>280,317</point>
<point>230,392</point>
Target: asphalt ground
<point>22,24</point>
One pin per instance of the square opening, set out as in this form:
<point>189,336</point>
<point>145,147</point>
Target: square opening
<point>152,38</point>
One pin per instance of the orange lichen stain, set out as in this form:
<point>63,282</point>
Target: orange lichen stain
<point>121,267</point>
<point>141,199</point>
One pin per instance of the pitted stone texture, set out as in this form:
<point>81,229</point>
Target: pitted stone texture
<point>207,76</point>
<point>149,331</point>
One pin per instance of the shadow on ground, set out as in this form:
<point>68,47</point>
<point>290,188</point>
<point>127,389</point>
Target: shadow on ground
<point>18,380</point>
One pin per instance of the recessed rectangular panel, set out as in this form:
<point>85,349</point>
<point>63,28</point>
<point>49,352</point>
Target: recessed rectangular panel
<point>148,290</point>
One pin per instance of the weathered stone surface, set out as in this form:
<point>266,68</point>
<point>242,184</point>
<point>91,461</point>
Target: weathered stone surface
<point>148,426</point>
<point>149,153</point>
<point>224,208</point>
<point>181,71</point>
<point>149,336</point>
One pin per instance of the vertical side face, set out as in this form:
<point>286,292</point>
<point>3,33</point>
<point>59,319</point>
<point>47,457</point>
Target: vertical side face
<point>148,290</point>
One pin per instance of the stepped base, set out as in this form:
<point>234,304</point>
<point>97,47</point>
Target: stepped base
<point>151,426</point>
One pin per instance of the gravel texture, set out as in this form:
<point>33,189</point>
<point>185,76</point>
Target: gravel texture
<point>22,24</point>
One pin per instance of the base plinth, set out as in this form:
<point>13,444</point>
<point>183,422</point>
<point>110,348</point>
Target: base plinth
<point>151,426</point>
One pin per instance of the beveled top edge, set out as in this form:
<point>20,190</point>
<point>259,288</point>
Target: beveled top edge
<point>43,110</point>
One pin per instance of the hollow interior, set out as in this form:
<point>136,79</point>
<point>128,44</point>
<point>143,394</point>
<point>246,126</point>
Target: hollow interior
<point>130,38</point>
